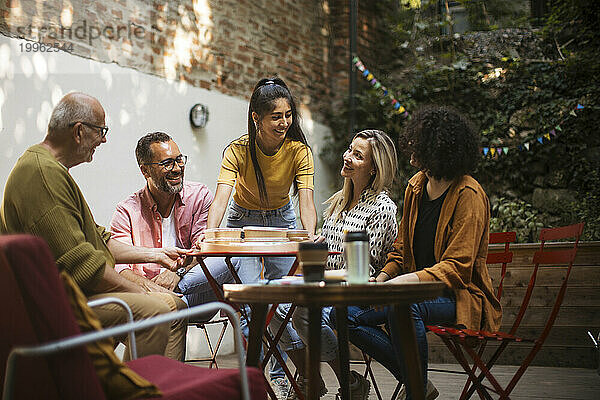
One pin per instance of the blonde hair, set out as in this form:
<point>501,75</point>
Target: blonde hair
<point>385,164</point>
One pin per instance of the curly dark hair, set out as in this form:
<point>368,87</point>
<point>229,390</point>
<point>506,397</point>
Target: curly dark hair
<point>443,142</point>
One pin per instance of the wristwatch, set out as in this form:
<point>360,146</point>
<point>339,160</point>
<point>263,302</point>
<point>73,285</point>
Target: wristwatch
<point>181,272</point>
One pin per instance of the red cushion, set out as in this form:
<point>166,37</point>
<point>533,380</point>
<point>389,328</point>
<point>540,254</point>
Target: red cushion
<point>47,308</point>
<point>17,331</point>
<point>183,381</point>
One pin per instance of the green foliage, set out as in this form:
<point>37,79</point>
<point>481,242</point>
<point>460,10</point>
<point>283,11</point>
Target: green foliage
<point>517,216</point>
<point>513,98</point>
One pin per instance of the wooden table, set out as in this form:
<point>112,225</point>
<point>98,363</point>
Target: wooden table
<point>251,249</point>
<point>316,295</point>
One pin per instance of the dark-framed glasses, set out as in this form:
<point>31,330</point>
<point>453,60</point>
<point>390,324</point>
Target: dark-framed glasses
<point>169,163</point>
<point>103,129</point>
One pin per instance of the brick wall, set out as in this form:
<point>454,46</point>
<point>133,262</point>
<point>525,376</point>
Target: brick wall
<point>221,45</point>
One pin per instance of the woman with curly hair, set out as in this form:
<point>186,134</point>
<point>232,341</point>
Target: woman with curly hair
<point>443,236</point>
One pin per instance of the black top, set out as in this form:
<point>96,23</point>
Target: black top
<point>427,220</point>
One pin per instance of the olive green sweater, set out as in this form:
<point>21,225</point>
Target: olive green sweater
<point>42,198</point>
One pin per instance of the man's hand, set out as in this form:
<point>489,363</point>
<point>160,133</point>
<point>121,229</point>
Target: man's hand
<point>167,279</point>
<point>198,242</point>
<point>150,286</point>
<point>170,257</point>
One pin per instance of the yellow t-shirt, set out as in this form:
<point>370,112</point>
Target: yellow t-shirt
<point>293,161</point>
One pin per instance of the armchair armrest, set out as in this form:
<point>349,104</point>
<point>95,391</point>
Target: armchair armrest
<point>114,300</point>
<point>80,340</point>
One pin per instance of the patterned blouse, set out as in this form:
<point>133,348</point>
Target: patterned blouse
<point>375,213</point>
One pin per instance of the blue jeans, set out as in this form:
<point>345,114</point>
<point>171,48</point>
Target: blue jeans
<point>250,267</point>
<point>275,267</point>
<point>365,331</point>
<point>329,343</point>
<point>195,287</point>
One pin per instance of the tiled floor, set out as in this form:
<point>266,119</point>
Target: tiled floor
<point>538,382</point>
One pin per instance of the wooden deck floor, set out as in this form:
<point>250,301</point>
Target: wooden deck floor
<point>546,383</point>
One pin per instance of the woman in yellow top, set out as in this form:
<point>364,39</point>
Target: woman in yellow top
<point>262,166</point>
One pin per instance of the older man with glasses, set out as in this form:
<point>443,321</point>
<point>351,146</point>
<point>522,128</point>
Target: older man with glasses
<point>167,211</point>
<point>42,198</point>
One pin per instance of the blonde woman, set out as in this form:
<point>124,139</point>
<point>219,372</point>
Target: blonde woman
<point>369,168</point>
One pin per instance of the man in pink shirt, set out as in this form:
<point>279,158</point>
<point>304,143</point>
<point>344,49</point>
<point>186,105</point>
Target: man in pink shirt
<point>167,212</point>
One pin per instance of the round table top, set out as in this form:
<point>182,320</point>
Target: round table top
<point>334,294</point>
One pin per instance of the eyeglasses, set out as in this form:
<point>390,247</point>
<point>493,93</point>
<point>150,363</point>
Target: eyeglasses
<point>169,163</point>
<point>103,129</point>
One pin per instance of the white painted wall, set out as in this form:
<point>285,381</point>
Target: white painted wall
<point>135,103</point>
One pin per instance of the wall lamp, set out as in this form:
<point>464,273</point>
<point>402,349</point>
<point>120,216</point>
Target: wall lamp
<point>199,115</point>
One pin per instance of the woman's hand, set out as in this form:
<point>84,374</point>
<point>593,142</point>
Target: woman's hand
<point>318,238</point>
<point>381,277</point>
<point>406,278</point>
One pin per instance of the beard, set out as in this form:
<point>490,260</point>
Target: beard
<point>168,187</point>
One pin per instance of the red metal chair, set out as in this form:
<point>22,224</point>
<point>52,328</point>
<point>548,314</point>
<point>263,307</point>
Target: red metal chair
<point>504,258</point>
<point>40,332</point>
<point>460,341</point>
<point>498,257</point>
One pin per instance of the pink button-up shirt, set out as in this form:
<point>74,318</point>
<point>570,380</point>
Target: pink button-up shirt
<point>137,222</point>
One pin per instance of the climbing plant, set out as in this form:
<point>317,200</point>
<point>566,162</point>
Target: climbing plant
<point>516,83</point>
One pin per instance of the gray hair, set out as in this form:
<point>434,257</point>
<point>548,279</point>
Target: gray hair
<point>71,108</point>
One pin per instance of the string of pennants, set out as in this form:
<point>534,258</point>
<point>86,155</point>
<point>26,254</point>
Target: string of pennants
<point>490,151</point>
<point>525,146</point>
<point>368,75</point>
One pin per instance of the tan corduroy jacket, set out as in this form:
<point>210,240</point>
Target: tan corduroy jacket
<point>461,246</point>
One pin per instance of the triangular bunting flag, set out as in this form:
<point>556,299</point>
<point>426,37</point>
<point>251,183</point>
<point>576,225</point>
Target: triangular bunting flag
<point>541,140</point>
<point>492,151</point>
<point>499,150</point>
<point>553,133</point>
<point>558,128</point>
<point>547,136</point>
<point>579,107</point>
<point>377,85</point>
<point>505,149</point>
<point>485,151</point>
<point>573,113</point>
<point>526,146</point>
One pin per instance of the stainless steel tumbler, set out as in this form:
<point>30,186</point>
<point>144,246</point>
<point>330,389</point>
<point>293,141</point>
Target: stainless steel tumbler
<point>356,254</point>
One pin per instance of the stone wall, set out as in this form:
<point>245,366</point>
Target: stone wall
<point>219,45</point>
